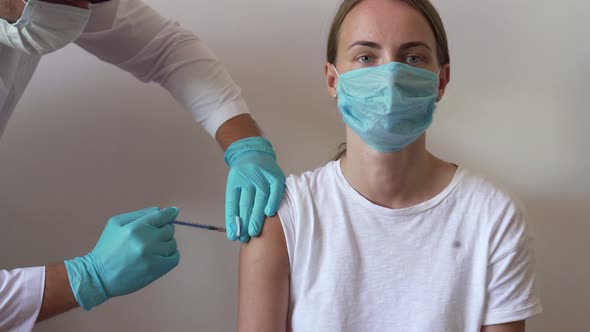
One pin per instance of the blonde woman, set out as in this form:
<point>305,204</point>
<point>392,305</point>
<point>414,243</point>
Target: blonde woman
<point>389,237</point>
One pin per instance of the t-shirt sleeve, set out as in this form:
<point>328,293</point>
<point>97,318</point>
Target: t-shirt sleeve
<point>512,293</point>
<point>21,294</point>
<point>287,216</point>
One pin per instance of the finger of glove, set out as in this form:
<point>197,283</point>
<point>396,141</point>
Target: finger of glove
<point>125,218</point>
<point>165,264</point>
<point>246,203</point>
<point>161,218</point>
<point>257,217</point>
<point>275,197</point>
<point>166,233</point>
<point>232,201</point>
<point>166,249</point>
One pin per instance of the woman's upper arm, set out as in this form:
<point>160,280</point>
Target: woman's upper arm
<point>264,281</point>
<point>508,327</point>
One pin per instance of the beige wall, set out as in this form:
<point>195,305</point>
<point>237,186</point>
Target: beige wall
<point>88,141</point>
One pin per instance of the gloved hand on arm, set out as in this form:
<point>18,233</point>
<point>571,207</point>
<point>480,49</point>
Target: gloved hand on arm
<point>255,186</point>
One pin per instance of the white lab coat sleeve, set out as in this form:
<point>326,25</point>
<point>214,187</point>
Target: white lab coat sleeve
<point>134,37</point>
<point>21,295</point>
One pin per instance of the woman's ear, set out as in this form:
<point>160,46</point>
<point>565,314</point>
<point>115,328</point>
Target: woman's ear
<point>331,79</point>
<point>443,79</point>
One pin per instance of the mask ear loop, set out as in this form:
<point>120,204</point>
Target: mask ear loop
<point>337,75</point>
<point>438,98</point>
<point>336,70</point>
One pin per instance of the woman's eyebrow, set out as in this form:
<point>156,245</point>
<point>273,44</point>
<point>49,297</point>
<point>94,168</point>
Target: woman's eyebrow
<point>413,44</point>
<point>365,43</point>
<point>403,47</point>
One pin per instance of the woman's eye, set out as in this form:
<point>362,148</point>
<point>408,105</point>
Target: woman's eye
<point>365,59</point>
<point>413,59</point>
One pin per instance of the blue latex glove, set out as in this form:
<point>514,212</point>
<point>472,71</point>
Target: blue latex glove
<point>135,249</point>
<point>255,186</point>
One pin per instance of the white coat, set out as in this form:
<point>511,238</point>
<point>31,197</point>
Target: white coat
<point>135,38</point>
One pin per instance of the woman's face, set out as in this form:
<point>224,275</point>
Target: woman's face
<point>377,32</point>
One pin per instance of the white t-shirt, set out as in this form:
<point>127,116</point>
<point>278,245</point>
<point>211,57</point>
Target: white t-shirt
<point>458,261</point>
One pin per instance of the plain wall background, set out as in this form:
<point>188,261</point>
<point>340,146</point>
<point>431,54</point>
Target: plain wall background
<point>88,141</point>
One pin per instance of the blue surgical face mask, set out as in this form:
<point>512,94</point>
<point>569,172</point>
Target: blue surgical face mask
<point>44,27</point>
<point>388,106</point>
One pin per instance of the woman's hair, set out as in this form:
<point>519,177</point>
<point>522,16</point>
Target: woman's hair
<point>424,7</point>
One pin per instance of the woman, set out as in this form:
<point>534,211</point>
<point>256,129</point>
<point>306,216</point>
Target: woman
<point>389,237</point>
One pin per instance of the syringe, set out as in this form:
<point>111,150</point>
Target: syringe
<point>209,227</point>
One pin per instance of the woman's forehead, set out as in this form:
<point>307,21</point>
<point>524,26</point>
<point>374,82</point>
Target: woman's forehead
<point>385,21</point>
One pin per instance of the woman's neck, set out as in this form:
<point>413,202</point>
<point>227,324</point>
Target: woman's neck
<point>395,180</point>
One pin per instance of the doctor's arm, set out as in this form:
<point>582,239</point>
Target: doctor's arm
<point>31,294</point>
<point>135,249</point>
<point>57,294</point>
<point>264,281</point>
<point>135,38</point>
